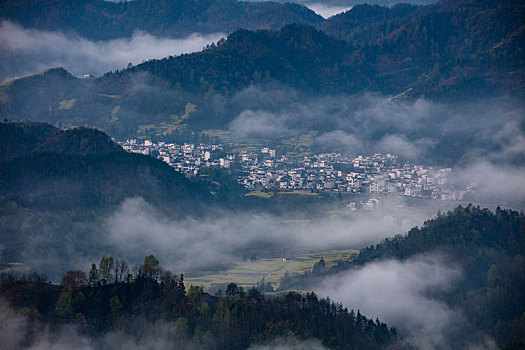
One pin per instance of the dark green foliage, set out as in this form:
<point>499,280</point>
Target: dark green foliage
<point>80,141</point>
<point>73,181</point>
<point>83,168</point>
<point>368,23</point>
<point>222,183</point>
<point>145,307</point>
<point>21,138</point>
<point>296,55</point>
<point>490,237</point>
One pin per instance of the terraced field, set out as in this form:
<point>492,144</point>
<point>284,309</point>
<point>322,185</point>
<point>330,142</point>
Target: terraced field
<point>248,273</point>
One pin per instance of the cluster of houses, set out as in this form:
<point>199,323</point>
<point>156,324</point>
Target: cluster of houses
<point>264,170</point>
<point>186,158</point>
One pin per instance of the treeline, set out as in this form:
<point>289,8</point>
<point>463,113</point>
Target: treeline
<point>489,247</point>
<point>148,301</point>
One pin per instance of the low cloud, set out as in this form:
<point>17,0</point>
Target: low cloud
<point>398,292</point>
<point>326,11</point>
<point>494,184</point>
<point>256,124</point>
<point>12,327</point>
<point>20,332</point>
<point>26,51</point>
<point>222,238</point>
<point>510,143</point>
<point>290,344</point>
<point>402,147</point>
<point>418,129</point>
<point>340,139</point>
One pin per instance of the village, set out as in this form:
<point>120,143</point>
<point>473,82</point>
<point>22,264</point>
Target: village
<point>264,170</point>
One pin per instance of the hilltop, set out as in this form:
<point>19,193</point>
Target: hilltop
<point>45,167</point>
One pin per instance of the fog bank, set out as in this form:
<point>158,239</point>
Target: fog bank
<point>26,51</point>
<point>399,293</point>
<point>219,239</point>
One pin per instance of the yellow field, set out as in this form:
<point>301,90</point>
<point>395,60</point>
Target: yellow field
<point>248,273</point>
<point>271,194</point>
<point>13,267</point>
<point>301,193</point>
<point>259,194</point>
<point>67,104</point>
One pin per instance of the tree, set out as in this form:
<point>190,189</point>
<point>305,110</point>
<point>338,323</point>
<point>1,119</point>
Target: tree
<point>93,275</point>
<point>64,305</point>
<point>194,296</point>
<point>180,329</point>
<point>320,266</point>
<point>235,292</point>
<point>74,279</point>
<point>81,322</point>
<point>120,270</point>
<point>151,267</point>
<point>115,306</point>
<point>105,267</point>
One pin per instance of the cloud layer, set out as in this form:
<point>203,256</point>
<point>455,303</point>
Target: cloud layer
<point>290,344</point>
<point>219,239</point>
<point>26,51</point>
<point>398,292</point>
<point>326,10</point>
<point>483,140</point>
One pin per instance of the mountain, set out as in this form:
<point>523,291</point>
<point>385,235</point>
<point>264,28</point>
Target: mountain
<point>56,185</point>
<point>449,51</point>
<point>456,48</point>
<point>157,96</point>
<point>488,246</point>
<point>297,55</point>
<point>103,20</point>
<point>58,188</point>
<point>81,141</point>
<point>366,23</point>
<point>84,168</point>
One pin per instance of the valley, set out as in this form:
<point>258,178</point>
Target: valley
<point>232,175</point>
<point>251,272</point>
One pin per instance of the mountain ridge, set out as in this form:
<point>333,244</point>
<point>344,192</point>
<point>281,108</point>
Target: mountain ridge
<point>403,52</point>
<point>103,20</point>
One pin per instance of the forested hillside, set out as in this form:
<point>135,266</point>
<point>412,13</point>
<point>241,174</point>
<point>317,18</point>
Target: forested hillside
<point>82,167</point>
<point>488,246</point>
<point>149,306</point>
